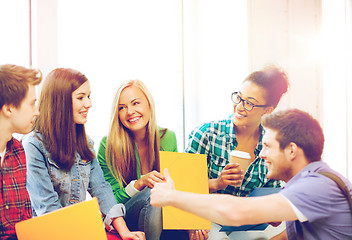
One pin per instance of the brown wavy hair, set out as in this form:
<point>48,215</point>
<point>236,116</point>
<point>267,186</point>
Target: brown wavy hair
<point>61,136</point>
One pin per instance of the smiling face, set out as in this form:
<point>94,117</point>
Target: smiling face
<point>277,160</point>
<point>134,110</point>
<point>23,116</point>
<point>81,103</point>
<point>253,93</point>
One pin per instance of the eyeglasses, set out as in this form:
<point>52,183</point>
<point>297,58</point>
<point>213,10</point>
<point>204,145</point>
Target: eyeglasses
<point>236,99</point>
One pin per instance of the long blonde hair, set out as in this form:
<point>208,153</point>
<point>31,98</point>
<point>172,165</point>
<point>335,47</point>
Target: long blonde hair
<point>120,145</point>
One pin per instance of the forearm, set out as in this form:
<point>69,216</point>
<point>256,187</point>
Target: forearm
<point>120,226</point>
<point>219,208</point>
<point>214,185</point>
<point>139,184</point>
<point>230,210</point>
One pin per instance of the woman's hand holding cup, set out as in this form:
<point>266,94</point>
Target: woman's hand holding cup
<point>242,159</point>
<point>230,175</point>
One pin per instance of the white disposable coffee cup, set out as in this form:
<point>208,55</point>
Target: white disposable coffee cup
<point>242,158</point>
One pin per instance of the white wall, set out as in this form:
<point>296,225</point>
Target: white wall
<point>193,54</point>
<point>14,37</point>
<point>215,58</point>
<point>337,66</point>
<point>312,40</point>
<point>284,32</point>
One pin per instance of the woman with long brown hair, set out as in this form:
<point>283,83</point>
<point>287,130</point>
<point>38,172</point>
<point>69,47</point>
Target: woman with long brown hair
<point>61,162</point>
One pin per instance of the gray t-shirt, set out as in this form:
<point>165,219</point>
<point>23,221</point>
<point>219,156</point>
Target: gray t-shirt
<point>321,201</point>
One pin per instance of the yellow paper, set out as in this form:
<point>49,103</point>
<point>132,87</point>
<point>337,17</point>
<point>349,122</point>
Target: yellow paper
<point>79,221</point>
<point>190,174</point>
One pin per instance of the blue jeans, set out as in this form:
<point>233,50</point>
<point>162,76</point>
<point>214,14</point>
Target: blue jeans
<point>141,216</point>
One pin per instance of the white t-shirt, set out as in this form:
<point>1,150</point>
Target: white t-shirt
<point>2,155</point>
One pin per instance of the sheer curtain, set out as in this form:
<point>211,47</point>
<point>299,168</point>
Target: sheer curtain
<point>15,34</point>
<point>190,54</point>
<point>113,41</point>
<point>336,53</point>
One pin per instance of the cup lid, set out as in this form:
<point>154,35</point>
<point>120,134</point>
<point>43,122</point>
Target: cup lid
<point>240,154</point>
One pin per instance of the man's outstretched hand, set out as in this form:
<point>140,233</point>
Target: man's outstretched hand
<point>160,194</point>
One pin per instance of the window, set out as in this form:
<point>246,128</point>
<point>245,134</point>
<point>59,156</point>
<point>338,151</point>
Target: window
<point>15,30</point>
<point>189,55</point>
<point>337,61</point>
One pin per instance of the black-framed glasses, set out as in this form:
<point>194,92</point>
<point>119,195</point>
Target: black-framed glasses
<point>236,99</point>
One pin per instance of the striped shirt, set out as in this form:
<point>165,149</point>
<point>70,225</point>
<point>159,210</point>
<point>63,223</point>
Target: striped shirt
<point>217,139</point>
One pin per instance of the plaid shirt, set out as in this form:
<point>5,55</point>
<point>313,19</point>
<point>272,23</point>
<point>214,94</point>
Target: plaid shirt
<point>216,140</point>
<point>15,204</point>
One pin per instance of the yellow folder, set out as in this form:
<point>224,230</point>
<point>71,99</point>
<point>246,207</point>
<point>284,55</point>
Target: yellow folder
<point>78,221</point>
<point>190,174</point>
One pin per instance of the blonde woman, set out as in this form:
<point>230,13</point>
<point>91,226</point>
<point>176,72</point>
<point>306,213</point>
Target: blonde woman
<point>61,164</point>
<point>129,155</point>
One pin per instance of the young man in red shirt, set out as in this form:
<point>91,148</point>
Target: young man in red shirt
<point>17,113</point>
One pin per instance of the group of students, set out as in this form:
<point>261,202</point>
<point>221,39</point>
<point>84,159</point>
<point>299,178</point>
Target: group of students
<point>55,165</point>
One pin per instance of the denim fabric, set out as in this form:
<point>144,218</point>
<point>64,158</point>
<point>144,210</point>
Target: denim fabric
<point>142,216</point>
<point>51,188</point>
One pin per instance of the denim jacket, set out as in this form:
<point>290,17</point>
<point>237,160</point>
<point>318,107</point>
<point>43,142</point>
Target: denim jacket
<point>51,188</point>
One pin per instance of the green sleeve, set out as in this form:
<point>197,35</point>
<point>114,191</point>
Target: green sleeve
<point>168,141</point>
<point>119,192</point>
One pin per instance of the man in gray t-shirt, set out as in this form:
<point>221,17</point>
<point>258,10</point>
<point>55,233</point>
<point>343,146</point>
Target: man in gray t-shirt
<point>320,206</point>
<point>312,204</point>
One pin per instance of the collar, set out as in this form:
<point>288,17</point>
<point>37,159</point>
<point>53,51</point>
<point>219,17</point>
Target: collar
<point>311,169</point>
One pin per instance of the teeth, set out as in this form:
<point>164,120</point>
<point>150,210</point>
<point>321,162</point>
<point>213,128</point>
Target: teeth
<point>239,115</point>
<point>133,119</point>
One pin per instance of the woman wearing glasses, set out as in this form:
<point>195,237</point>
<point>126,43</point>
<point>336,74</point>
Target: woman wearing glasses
<point>259,94</point>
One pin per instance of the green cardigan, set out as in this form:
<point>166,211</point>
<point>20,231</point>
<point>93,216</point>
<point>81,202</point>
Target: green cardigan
<point>167,143</point>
